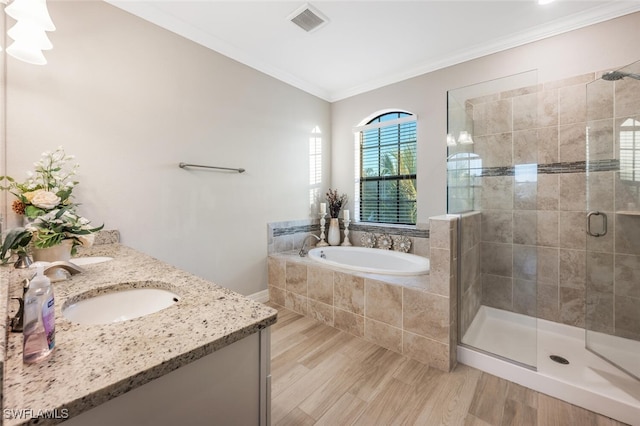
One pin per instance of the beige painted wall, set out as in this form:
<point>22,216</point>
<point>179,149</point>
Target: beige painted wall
<point>606,45</point>
<point>131,101</point>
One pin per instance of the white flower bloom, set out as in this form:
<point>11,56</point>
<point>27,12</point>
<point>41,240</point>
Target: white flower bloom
<point>45,200</point>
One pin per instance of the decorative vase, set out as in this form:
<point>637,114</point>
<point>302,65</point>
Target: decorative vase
<point>61,251</point>
<point>334,232</point>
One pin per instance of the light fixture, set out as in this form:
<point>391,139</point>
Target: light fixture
<point>31,10</point>
<point>451,140</point>
<point>465,138</point>
<point>29,33</point>
<point>545,1</point>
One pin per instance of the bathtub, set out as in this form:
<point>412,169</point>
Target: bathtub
<point>375,261</point>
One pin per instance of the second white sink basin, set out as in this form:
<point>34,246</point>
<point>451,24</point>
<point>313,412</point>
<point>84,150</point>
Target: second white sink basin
<point>119,305</point>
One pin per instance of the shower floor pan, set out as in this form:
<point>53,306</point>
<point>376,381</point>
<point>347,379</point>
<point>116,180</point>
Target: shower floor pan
<point>587,381</point>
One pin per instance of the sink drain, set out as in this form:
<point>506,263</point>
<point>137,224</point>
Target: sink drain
<point>559,359</point>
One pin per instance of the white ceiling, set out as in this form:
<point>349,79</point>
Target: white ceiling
<point>367,44</point>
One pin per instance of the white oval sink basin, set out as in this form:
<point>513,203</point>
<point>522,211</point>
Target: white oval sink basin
<point>121,305</point>
<point>81,261</point>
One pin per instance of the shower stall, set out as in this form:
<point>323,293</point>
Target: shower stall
<point>545,179</point>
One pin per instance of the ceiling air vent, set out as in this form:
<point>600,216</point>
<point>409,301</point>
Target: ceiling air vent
<point>308,18</point>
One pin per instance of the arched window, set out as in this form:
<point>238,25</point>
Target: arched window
<point>387,169</point>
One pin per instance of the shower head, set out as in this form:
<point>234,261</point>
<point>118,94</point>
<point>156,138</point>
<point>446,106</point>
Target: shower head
<point>618,75</point>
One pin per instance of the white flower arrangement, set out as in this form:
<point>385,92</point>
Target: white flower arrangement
<point>45,200</point>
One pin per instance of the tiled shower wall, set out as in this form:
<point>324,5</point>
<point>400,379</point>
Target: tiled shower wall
<point>533,253</point>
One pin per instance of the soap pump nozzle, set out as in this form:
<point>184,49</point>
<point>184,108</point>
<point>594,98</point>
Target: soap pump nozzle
<point>17,322</point>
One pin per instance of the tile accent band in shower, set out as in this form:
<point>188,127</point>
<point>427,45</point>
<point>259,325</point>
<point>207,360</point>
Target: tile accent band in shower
<point>554,168</point>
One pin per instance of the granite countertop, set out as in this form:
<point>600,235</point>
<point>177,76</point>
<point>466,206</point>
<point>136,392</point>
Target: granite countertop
<point>94,363</point>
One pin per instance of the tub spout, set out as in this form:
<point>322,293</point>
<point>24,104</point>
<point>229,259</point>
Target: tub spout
<point>303,250</point>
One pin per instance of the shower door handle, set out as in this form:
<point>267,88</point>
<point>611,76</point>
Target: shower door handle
<point>604,224</point>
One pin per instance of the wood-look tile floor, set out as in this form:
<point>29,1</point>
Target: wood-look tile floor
<point>323,376</point>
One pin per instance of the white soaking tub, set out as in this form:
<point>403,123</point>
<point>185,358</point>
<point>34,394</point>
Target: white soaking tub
<point>375,261</point>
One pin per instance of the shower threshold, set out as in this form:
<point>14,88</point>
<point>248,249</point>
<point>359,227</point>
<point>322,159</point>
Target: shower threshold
<point>587,381</point>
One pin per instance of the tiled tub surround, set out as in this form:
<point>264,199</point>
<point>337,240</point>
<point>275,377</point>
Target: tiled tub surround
<point>415,316</point>
<point>533,254</point>
<point>93,364</point>
<point>286,236</point>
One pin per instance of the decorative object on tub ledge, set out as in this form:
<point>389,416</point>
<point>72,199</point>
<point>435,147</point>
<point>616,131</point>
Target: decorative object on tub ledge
<point>336,202</point>
<point>184,165</point>
<point>401,243</point>
<point>345,215</point>
<point>384,241</point>
<point>334,232</point>
<point>368,240</point>
<point>323,221</point>
<point>44,200</point>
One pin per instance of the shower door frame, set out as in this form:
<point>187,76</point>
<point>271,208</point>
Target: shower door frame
<point>611,220</point>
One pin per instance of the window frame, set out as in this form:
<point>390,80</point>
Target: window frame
<point>378,122</point>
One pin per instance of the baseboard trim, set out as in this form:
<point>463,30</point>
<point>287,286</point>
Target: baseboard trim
<point>261,296</point>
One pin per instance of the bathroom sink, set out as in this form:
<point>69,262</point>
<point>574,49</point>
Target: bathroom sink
<point>119,305</point>
<point>82,261</point>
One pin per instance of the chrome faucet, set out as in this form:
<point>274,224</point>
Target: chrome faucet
<point>302,251</point>
<point>71,268</point>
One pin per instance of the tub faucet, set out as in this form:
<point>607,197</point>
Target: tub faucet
<point>302,251</point>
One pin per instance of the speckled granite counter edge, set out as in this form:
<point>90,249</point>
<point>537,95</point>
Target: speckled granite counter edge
<point>105,394</point>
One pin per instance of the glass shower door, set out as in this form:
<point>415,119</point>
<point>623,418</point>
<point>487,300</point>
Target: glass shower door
<point>612,318</point>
